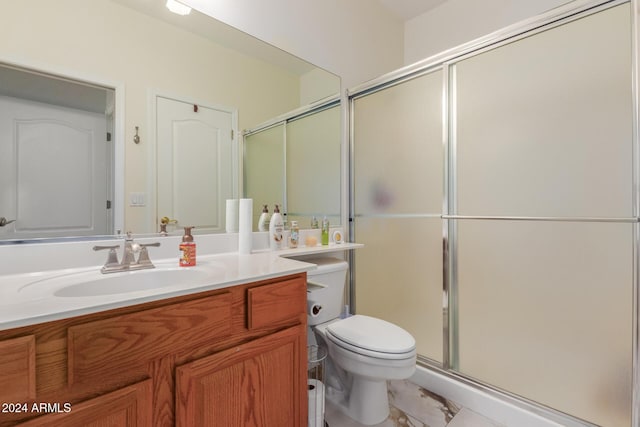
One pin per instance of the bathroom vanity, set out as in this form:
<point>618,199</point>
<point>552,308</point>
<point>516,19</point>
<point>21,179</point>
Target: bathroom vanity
<point>233,355</point>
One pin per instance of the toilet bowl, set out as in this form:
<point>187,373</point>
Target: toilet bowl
<point>368,352</point>
<point>364,352</point>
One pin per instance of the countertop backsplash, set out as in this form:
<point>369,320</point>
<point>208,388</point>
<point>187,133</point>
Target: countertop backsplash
<point>45,256</point>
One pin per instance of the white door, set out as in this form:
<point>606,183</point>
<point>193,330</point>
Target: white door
<point>196,163</point>
<point>53,170</point>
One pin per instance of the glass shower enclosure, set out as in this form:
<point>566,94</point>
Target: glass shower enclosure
<point>501,181</point>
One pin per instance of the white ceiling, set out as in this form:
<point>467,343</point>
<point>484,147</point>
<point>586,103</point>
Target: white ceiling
<point>407,9</point>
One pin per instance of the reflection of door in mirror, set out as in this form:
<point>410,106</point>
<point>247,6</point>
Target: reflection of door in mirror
<point>54,169</point>
<point>196,163</point>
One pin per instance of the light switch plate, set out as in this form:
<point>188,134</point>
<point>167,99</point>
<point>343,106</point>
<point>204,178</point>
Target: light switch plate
<point>137,199</point>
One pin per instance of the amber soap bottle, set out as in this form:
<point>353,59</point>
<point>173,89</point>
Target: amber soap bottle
<point>187,249</point>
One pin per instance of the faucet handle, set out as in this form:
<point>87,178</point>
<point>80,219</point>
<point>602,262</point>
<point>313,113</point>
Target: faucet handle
<point>143,258</point>
<point>112,249</point>
<point>112,258</point>
<point>154,244</point>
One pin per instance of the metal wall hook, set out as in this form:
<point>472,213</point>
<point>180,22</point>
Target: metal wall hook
<point>4,221</point>
<point>136,138</point>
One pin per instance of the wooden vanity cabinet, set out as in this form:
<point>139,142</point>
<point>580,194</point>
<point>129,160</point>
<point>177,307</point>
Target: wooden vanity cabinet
<point>229,357</point>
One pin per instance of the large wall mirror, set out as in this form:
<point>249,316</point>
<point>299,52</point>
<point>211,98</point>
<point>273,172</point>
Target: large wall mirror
<point>102,118</point>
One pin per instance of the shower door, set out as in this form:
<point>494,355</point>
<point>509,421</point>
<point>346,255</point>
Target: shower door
<point>398,197</point>
<point>495,190</point>
<point>543,217</point>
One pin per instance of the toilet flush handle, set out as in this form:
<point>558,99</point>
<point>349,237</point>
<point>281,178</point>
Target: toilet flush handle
<point>316,309</point>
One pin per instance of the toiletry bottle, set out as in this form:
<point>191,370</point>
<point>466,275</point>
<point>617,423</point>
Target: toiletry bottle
<point>295,235</point>
<point>276,230</point>
<point>325,231</point>
<point>187,249</point>
<point>314,223</point>
<point>263,222</point>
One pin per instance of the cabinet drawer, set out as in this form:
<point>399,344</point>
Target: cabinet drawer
<point>276,304</point>
<point>18,369</point>
<point>120,347</point>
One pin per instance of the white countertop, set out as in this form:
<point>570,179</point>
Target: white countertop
<point>31,298</point>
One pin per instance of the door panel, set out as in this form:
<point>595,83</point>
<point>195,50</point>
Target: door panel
<point>549,130</point>
<point>195,164</point>
<point>544,128</point>
<point>53,170</point>
<point>545,311</point>
<point>399,181</point>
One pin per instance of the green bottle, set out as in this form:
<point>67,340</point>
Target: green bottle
<point>325,231</point>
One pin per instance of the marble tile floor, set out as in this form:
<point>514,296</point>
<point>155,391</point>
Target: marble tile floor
<point>413,406</point>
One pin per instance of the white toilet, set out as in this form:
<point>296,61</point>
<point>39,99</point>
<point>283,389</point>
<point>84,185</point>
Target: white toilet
<point>364,352</point>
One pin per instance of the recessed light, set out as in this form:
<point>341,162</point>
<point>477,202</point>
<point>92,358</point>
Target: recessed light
<point>177,7</point>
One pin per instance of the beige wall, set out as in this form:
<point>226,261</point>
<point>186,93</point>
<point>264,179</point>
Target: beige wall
<point>455,22</point>
<point>355,39</point>
<point>316,85</point>
<point>103,41</point>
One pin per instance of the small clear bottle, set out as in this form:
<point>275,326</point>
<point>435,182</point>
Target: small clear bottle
<point>314,223</point>
<point>294,236</point>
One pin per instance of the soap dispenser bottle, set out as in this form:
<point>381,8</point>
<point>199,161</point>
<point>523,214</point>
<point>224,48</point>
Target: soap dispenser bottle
<point>187,249</point>
<point>263,222</point>
<point>276,230</point>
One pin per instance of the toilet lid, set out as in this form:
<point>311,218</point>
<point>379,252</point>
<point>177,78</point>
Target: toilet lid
<point>372,334</point>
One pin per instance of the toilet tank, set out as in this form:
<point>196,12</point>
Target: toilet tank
<point>325,289</point>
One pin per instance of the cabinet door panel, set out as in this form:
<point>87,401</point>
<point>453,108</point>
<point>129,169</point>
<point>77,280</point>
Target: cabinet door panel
<point>127,407</point>
<point>258,384</point>
<point>18,369</point>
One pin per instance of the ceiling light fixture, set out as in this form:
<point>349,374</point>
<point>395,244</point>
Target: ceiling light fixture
<point>177,7</point>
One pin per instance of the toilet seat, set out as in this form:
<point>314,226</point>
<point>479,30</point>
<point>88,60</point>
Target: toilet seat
<point>372,337</point>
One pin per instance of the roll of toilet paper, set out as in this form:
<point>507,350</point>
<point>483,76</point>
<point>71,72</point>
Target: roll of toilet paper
<point>231,218</point>
<point>245,238</point>
<point>313,308</point>
<point>316,402</point>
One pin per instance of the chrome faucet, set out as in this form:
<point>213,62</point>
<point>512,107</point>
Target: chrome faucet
<point>129,261</point>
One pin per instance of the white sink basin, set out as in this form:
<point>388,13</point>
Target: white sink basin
<point>120,283</point>
<point>93,283</point>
